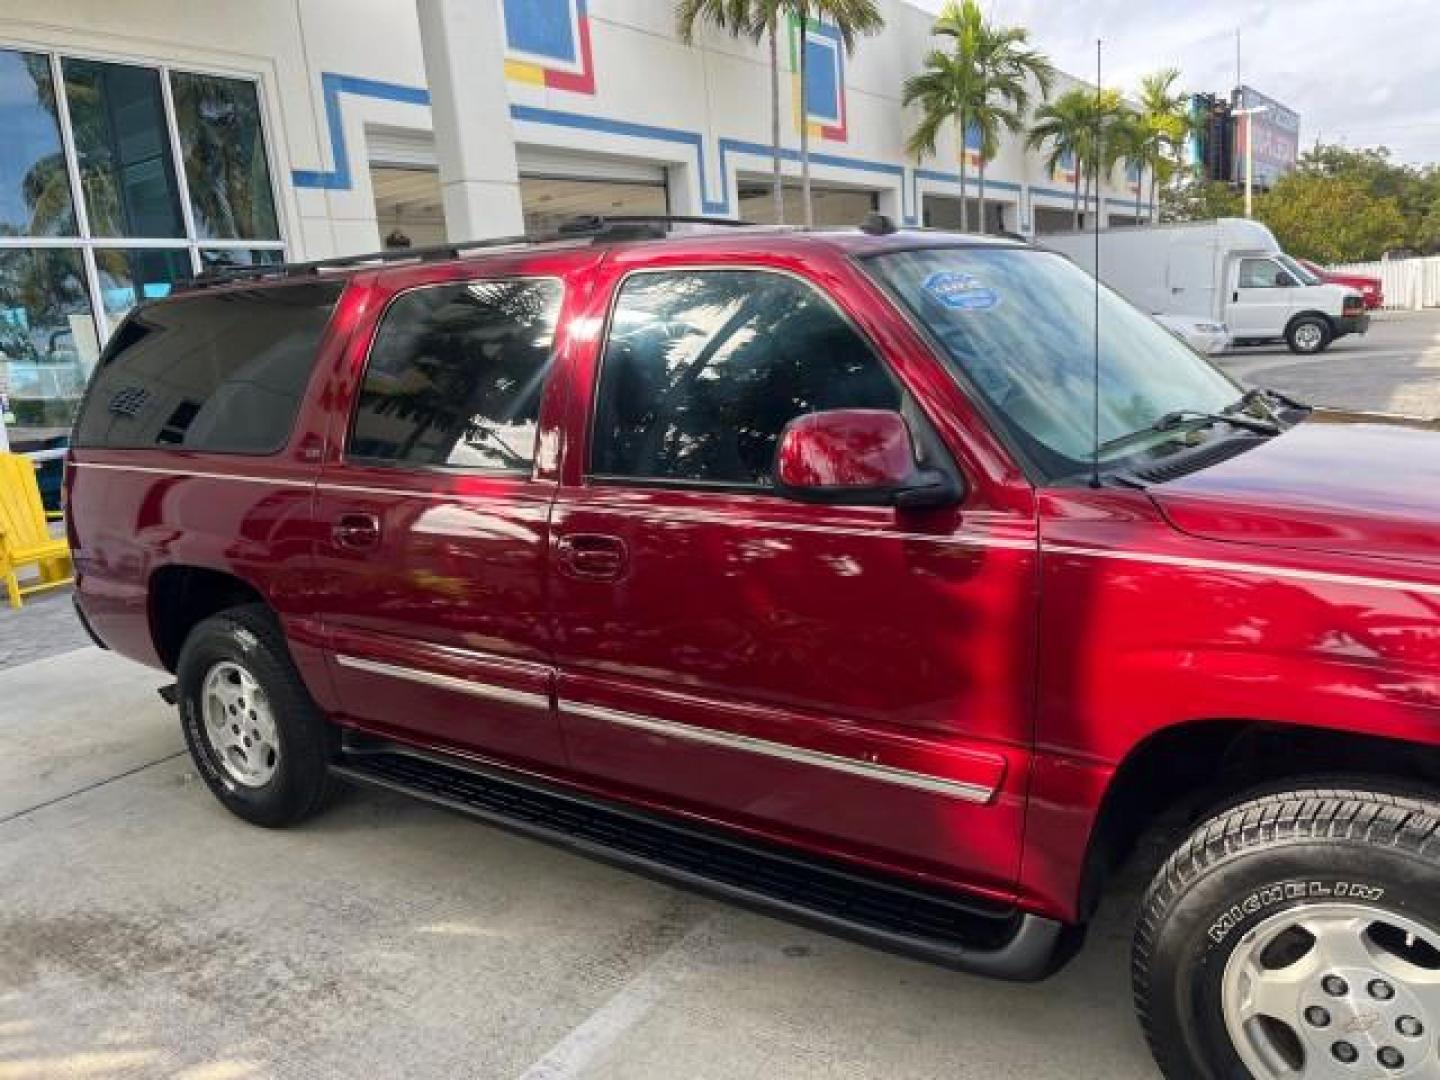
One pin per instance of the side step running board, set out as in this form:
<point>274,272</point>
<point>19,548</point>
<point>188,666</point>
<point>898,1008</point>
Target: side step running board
<point>886,912</point>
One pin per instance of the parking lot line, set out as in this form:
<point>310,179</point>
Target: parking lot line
<point>570,1057</point>
<point>89,787</point>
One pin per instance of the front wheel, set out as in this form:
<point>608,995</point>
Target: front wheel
<point>1308,334</point>
<point>1297,936</point>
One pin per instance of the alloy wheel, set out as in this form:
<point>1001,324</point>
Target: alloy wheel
<point>1335,990</point>
<point>239,725</point>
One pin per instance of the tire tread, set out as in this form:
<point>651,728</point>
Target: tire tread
<point>1408,823</point>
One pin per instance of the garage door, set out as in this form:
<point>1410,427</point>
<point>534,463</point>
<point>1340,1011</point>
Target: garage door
<point>943,212</point>
<point>555,186</point>
<point>834,207</point>
<point>1049,220</point>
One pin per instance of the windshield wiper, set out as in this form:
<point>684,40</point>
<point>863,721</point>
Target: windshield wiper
<point>1266,398</point>
<point>1178,418</point>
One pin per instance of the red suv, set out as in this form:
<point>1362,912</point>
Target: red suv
<point>1371,288</point>
<point>819,571</point>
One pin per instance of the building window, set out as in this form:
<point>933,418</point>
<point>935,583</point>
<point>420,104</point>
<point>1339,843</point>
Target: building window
<point>225,163</point>
<point>123,150</point>
<point>34,189</point>
<point>116,181</point>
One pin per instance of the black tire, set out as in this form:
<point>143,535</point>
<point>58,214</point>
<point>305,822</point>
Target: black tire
<point>1249,864</point>
<point>1308,335</point>
<point>301,782</point>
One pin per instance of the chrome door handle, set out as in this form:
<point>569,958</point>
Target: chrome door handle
<point>592,556</point>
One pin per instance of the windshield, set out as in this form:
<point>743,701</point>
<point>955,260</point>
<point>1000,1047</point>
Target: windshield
<point>1301,272</point>
<point>1019,325</point>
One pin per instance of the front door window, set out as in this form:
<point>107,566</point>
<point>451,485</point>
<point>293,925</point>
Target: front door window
<point>703,369</point>
<point>1262,274</point>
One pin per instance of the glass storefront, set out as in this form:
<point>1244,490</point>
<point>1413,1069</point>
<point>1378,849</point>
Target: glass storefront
<point>116,181</point>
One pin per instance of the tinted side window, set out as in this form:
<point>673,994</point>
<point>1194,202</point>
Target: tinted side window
<point>455,376</point>
<point>221,372</point>
<point>703,369</point>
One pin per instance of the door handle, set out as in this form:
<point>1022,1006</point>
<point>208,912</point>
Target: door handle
<point>591,556</point>
<point>358,532</point>
<point>1235,296</point>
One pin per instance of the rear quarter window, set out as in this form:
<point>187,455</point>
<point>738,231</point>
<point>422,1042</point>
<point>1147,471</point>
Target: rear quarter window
<point>221,372</point>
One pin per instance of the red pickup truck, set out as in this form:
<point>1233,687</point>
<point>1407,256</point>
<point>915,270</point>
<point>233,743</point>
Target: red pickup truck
<point>794,567</point>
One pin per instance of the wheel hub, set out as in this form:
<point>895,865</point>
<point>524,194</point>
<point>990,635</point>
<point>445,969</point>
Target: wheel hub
<point>1308,336</point>
<point>1335,990</point>
<point>239,725</point>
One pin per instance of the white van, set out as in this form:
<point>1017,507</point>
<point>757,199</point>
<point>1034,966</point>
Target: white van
<point>1230,270</point>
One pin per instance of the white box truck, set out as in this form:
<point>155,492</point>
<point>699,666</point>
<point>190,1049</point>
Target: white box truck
<point>1230,270</point>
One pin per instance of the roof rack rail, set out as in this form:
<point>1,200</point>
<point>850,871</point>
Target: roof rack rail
<point>593,228</point>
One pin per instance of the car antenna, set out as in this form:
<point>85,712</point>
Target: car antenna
<point>1099,201</point>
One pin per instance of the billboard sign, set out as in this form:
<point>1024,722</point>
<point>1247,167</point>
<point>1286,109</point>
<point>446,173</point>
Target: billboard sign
<point>1277,137</point>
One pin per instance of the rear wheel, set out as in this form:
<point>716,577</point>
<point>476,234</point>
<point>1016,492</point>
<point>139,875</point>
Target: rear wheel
<point>1297,936</point>
<point>257,739</point>
<point>1308,334</point>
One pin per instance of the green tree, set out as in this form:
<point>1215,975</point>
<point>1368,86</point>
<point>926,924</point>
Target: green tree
<point>1415,191</point>
<point>982,83</point>
<point>756,19</point>
<point>762,19</point>
<point>1065,127</point>
<point>1132,142</point>
<point>1109,116</point>
<point>1331,219</point>
<point>1199,200</point>
<point>1167,123</point>
<point>1428,238</point>
<point>851,18</point>
<point>1085,124</point>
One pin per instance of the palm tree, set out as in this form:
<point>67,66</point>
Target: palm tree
<point>1085,124</point>
<point>995,67</point>
<point>761,19</point>
<point>1108,119</point>
<point>755,18</point>
<point>945,91</point>
<point>1166,115</point>
<point>1133,143</point>
<point>1067,126</point>
<point>851,18</point>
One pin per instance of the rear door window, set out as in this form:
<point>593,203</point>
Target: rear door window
<point>703,369</point>
<point>455,376</point>
<point>221,372</point>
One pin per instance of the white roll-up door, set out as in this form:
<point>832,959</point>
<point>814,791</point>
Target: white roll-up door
<point>410,149</point>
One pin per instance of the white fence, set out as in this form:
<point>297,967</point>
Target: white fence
<point>1410,284</point>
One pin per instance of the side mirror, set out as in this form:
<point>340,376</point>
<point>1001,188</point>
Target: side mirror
<point>1285,280</point>
<point>858,457</point>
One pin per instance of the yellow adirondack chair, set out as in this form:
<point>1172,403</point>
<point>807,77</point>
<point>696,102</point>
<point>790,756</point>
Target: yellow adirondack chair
<point>24,536</point>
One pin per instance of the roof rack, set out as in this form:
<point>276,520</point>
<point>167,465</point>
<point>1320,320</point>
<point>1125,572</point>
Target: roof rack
<point>592,228</point>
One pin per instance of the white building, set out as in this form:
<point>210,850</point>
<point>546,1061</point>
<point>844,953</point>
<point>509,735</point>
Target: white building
<point>146,140</point>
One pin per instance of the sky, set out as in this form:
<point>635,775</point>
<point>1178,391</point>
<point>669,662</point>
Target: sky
<point>1359,72</point>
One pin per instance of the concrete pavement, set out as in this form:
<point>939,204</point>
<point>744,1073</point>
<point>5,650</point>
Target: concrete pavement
<point>144,932</point>
<point>1393,368</point>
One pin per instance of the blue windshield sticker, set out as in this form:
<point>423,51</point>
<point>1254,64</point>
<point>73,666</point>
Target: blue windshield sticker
<point>961,292</point>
